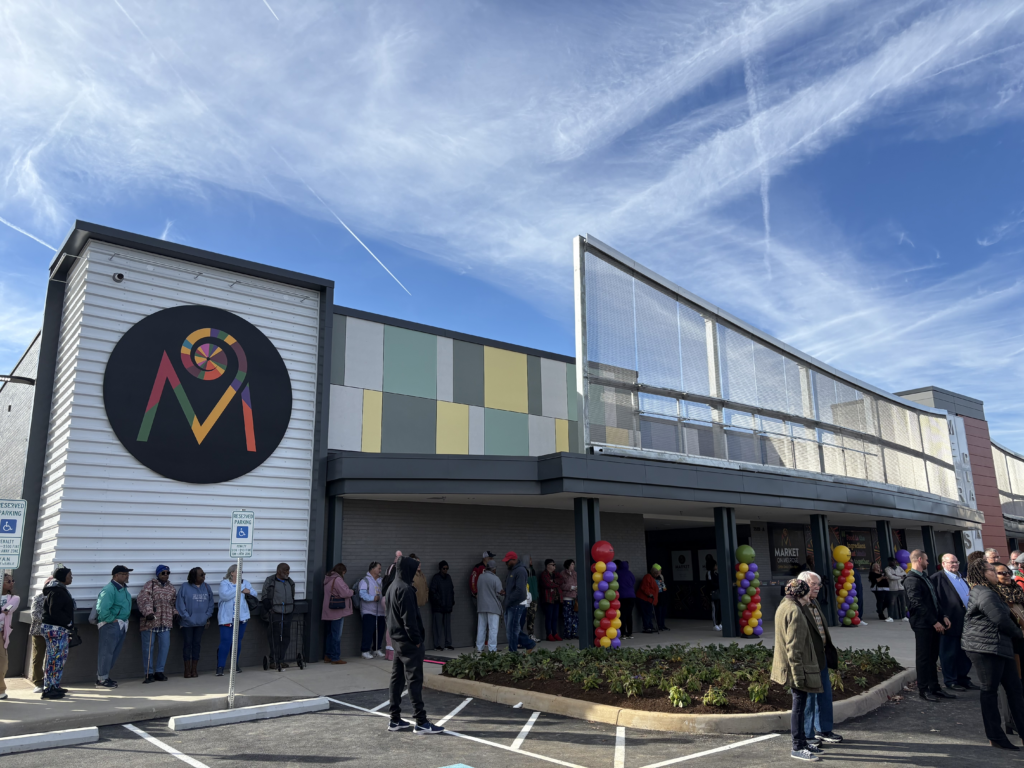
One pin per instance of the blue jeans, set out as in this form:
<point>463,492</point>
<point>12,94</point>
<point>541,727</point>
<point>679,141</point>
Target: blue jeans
<point>956,666</point>
<point>818,713</point>
<point>155,645</point>
<point>111,638</point>
<point>332,646</point>
<point>224,649</point>
<point>514,631</point>
<point>646,614</point>
<point>374,628</point>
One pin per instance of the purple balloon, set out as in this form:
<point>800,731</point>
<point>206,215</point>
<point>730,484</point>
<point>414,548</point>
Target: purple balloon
<point>752,568</point>
<point>744,584</point>
<point>841,613</point>
<point>740,591</point>
<point>616,642</point>
<point>597,605</point>
<point>602,586</point>
<point>611,566</point>
<point>758,630</point>
<point>598,596</point>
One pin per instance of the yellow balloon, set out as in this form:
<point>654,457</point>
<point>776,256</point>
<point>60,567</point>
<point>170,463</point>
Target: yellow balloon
<point>600,567</point>
<point>748,630</point>
<point>841,554</point>
<point>616,623</point>
<point>596,578</point>
<point>848,583</point>
<point>611,632</point>
<point>843,593</point>
<point>743,568</point>
<point>751,622</point>
<point>756,615</point>
<point>606,642</point>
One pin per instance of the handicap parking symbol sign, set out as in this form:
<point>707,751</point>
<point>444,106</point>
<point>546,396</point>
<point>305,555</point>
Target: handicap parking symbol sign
<point>241,531</point>
<point>8,527</point>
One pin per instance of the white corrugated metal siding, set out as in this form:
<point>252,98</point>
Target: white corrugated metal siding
<point>99,506</point>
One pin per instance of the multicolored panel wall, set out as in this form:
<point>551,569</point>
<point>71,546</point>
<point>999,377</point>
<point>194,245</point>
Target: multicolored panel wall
<point>397,390</point>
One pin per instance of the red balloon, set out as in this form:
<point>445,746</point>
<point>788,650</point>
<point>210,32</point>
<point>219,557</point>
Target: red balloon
<point>597,642</point>
<point>602,551</point>
<point>855,621</point>
<point>746,615</point>
<point>757,591</point>
<point>615,604</point>
<point>599,632</point>
<point>593,567</point>
<point>610,614</point>
<point>606,622</point>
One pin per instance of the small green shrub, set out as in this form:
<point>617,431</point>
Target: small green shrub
<point>591,682</point>
<point>860,681</point>
<point>715,697</point>
<point>758,691</point>
<point>836,679</point>
<point>679,697</point>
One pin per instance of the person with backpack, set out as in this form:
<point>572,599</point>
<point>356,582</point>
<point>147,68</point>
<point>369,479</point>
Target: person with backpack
<point>195,607</point>
<point>35,632</point>
<point>442,602</point>
<point>156,608</point>
<point>226,617</point>
<point>278,598</point>
<point>58,621</point>
<point>371,610</point>
<point>113,607</point>
<point>337,606</point>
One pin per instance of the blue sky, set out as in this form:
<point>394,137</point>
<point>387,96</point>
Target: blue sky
<point>845,175</point>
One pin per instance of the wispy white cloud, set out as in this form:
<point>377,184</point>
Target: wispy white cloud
<point>1003,230</point>
<point>167,229</point>
<point>25,232</point>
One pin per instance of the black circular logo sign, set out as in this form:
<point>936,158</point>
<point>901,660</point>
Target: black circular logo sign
<point>197,394</point>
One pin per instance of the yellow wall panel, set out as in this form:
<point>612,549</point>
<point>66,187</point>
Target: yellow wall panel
<point>614,436</point>
<point>561,435</point>
<point>505,387</point>
<point>452,428</point>
<point>372,405</point>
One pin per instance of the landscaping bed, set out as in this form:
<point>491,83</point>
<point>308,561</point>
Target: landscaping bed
<point>706,679</point>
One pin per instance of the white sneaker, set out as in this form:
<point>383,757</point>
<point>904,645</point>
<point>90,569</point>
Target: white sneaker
<point>718,627</point>
<point>3,696</point>
<point>38,690</point>
<point>379,654</point>
<point>863,623</point>
<point>888,620</point>
<point>905,618</point>
<point>367,655</point>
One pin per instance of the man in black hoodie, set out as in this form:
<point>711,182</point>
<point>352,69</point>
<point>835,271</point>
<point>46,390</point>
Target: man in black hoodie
<point>406,630</point>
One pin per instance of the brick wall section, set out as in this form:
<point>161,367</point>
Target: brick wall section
<point>15,420</point>
<point>459,533</point>
<point>979,447</point>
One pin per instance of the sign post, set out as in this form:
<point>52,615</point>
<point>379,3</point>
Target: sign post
<point>12,529</point>
<point>243,524</point>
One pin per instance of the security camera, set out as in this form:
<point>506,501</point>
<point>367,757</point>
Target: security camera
<point>119,277</point>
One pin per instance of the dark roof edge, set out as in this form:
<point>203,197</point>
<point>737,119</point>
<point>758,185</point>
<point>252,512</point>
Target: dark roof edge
<point>84,231</point>
<point>385,320</point>
<point>906,392</point>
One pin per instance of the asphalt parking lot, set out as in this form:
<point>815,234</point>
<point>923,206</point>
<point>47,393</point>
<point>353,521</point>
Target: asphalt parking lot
<point>485,735</point>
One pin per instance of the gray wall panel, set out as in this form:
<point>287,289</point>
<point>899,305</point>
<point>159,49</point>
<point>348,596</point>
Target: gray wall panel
<point>554,389</point>
<point>408,424</point>
<point>468,373</point>
<point>534,390</point>
<point>445,379</point>
<point>364,354</point>
<point>338,351</point>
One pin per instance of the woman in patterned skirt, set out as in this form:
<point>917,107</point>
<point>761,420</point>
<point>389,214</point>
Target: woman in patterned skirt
<point>58,619</point>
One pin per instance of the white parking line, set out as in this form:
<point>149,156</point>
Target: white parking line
<point>379,707</point>
<point>526,729</point>
<point>454,712</point>
<point>166,747</point>
<point>620,747</point>
<point>712,751</point>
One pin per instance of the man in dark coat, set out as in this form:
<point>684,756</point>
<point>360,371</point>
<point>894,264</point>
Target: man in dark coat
<point>953,594</point>
<point>442,601</point>
<point>406,630</point>
<point>928,623</point>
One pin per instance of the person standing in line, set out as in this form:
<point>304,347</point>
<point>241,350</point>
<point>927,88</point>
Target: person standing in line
<point>58,620</point>
<point>991,555</point>
<point>880,589</point>
<point>1013,597</point>
<point>928,623</point>
<point>419,581</point>
<point>488,607</point>
<point>647,593</point>
<point>515,598</point>
<point>9,603</point>
<point>570,608</point>
<point>897,594</point>
<point>796,664</point>
<point>551,593</point>
<point>442,602</point>
<point>1019,571</point>
<point>818,718</point>
<point>627,596</point>
<point>953,593</point>
<point>1014,565</point>
<point>156,609</point>
<point>278,598</point>
<point>714,591</point>
<point>113,607</point>
<point>407,637</point>
<point>226,618</point>
<point>371,610</point>
<point>478,570</point>
<point>660,607</point>
<point>337,606</point>
<point>529,620</point>
<point>195,607</point>
<point>35,631</point>
<point>989,634</point>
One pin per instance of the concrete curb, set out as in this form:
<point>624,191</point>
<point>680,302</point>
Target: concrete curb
<point>245,714</point>
<point>32,741</point>
<point>760,722</point>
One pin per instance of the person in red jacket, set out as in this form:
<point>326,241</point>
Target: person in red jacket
<point>477,570</point>
<point>647,594</point>
<point>551,591</point>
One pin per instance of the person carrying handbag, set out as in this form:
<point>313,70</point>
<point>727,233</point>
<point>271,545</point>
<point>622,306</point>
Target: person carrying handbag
<point>337,606</point>
<point>58,621</point>
<point>226,617</point>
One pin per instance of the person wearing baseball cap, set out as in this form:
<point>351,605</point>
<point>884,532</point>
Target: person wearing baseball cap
<point>113,607</point>
<point>515,603</point>
<point>478,569</point>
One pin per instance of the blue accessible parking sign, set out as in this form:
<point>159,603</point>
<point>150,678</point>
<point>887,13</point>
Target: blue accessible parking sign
<point>8,526</point>
<point>242,532</point>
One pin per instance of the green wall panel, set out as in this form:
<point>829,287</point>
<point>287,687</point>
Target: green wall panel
<point>467,373</point>
<point>408,424</point>
<point>338,351</point>
<point>410,362</point>
<point>570,385</point>
<point>506,433</point>
<point>574,437</point>
<point>533,386</point>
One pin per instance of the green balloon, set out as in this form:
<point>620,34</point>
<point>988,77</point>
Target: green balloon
<point>604,604</point>
<point>614,586</point>
<point>745,554</point>
<point>847,622</point>
<point>598,615</point>
<point>609,595</point>
<point>597,622</point>
<point>836,573</point>
<point>745,599</point>
<point>751,591</point>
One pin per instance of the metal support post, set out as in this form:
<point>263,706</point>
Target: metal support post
<point>234,634</point>
<point>587,518</point>
<point>823,567</point>
<point>960,550</point>
<point>931,549</point>
<point>726,542</point>
<point>885,548</point>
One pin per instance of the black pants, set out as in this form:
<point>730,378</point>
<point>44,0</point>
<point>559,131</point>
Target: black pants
<point>927,657</point>
<point>881,604</point>
<point>551,619</point>
<point>796,723</point>
<point>661,609</point>
<point>994,671</point>
<point>627,604</point>
<point>191,638</point>
<point>279,632</point>
<point>442,628</point>
<point>956,666</point>
<point>407,671</point>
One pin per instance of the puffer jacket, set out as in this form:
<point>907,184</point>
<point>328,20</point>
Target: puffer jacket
<point>988,625</point>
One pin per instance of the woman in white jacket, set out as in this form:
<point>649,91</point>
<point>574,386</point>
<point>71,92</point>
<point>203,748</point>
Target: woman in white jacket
<point>226,618</point>
<point>897,594</point>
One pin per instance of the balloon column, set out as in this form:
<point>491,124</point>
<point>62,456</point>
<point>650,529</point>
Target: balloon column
<point>748,592</point>
<point>606,596</point>
<point>846,589</point>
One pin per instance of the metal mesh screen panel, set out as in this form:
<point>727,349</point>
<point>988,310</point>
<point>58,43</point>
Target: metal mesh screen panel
<point>941,480</point>
<point>657,338</point>
<point>1002,476</point>
<point>610,322</point>
<point>1015,469</point>
<point>935,437</point>
<point>660,434</point>
<point>613,416</point>
<point>825,397</point>
<point>770,370</point>
<point>693,350</point>
<point>736,353</point>
<point>898,425</point>
<point>742,446</point>
<point>778,451</point>
<point>699,440</point>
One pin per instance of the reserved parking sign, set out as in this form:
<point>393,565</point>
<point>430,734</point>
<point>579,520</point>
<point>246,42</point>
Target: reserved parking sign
<point>12,529</point>
<point>243,524</point>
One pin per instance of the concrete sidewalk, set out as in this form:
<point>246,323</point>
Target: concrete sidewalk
<point>24,712</point>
